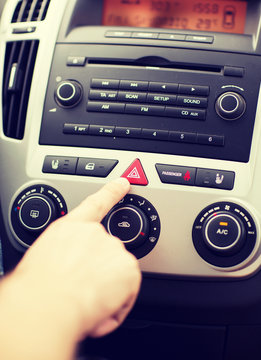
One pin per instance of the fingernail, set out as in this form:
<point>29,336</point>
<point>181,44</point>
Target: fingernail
<point>123,182</point>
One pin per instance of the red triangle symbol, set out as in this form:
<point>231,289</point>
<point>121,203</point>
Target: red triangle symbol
<point>135,174</point>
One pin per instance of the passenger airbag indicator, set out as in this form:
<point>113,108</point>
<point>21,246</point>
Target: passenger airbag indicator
<point>211,15</point>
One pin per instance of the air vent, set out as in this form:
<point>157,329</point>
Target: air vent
<point>30,10</point>
<point>18,72</point>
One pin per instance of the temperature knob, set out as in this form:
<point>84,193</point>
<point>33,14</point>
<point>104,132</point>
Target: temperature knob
<point>230,105</point>
<point>224,234</point>
<point>135,221</point>
<point>33,210</point>
<point>68,93</point>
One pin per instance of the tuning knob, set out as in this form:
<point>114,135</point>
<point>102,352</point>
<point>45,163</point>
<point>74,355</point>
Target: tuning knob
<point>33,210</point>
<point>230,106</point>
<point>136,223</point>
<point>68,93</point>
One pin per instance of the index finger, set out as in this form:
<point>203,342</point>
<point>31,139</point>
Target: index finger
<point>97,205</point>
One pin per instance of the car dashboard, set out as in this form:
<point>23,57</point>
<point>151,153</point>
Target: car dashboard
<point>166,94</point>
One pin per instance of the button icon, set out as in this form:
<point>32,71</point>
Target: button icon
<point>219,179</point>
<point>55,164</point>
<point>135,174</point>
<point>90,166</point>
<point>124,224</point>
<point>34,214</point>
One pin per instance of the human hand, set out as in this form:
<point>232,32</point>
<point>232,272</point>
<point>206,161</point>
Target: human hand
<point>77,268</point>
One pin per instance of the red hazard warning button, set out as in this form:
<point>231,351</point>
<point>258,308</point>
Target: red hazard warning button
<point>135,174</point>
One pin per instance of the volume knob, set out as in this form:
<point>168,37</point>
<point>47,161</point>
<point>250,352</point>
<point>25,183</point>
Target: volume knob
<point>230,106</point>
<point>68,93</point>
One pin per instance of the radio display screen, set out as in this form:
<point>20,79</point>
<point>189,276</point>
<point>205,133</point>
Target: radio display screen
<point>205,15</point>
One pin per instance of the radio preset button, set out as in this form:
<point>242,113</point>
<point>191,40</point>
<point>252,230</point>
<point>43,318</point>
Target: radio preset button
<point>155,134</point>
<point>76,129</point>
<point>127,132</point>
<point>185,137</point>
<point>101,130</point>
<point>218,140</point>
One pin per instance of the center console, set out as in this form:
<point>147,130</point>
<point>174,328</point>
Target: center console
<point>166,94</point>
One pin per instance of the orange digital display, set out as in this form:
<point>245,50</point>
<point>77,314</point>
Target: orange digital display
<point>204,15</point>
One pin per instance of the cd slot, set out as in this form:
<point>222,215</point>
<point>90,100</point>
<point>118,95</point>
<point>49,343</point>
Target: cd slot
<point>160,65</point>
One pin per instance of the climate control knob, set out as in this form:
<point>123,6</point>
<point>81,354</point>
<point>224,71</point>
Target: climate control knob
<point>33,210</point>
<point>135,221</point>
<point>230,106</point>
<point>36,212</point>
<point>68,93</point>
<point>224,234</point>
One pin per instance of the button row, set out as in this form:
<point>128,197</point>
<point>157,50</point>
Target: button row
<point>182,175</point>
<point>169,174</point>
<point>143,97</point>
<point>150,110</point>
<point>78,166</point>
<point>153,134</point>
<point>159,36</point>
<point>151,86</point>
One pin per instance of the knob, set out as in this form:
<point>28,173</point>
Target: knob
<point>224,233</point>
<point>68,93</point>
<point>36,212</point>
<point>130,224</point>
<point>135,221</point>
<point>230,106</point>
<point>33,210</point>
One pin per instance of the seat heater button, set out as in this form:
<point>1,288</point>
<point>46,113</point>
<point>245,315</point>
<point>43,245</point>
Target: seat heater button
<point>172,174</point>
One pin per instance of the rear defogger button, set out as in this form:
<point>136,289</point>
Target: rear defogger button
<point>172,174</point>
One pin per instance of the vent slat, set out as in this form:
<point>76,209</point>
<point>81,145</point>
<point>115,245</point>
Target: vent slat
<point>25,92</point>
<point>30,10</point>
<point>19,66</point>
